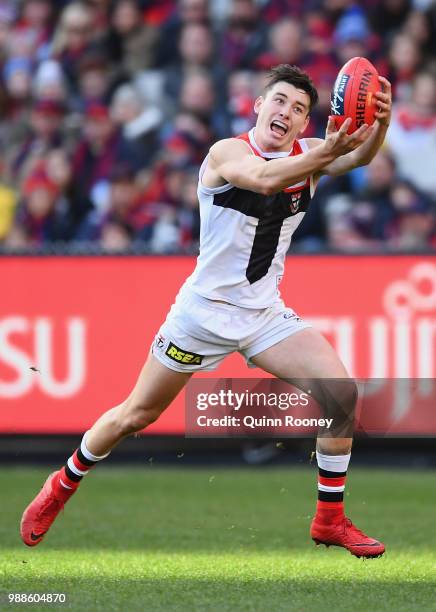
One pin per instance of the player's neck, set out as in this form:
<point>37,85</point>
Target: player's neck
<point>265,146</point>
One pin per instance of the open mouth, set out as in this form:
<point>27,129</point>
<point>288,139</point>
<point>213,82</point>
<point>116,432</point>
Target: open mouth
<point>278,127</point>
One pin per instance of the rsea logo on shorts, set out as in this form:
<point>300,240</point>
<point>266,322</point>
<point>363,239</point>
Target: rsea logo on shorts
<point>177,354</point>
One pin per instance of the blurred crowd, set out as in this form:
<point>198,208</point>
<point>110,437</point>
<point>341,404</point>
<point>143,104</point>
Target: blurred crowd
<point>107,108</point>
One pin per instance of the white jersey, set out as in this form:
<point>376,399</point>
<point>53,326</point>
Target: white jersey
<point>244,236</point>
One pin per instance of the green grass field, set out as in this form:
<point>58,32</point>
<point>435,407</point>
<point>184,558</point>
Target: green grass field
<point>216,540</point>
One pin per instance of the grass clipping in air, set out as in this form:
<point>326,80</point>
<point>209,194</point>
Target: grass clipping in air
<point>221,540</point>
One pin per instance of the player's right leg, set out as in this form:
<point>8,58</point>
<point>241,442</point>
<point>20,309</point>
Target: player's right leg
<point>155,389</point>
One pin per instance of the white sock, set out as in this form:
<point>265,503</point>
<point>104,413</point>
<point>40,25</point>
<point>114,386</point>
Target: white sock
<point>333,463</point>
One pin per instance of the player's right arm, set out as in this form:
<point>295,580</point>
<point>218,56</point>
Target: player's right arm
<point>232,161</point>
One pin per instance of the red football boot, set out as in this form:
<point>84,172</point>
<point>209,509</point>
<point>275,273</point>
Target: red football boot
<point>345,534</point>
<point>40,514</point>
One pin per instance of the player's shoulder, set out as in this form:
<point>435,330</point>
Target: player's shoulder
<point>226,148</point>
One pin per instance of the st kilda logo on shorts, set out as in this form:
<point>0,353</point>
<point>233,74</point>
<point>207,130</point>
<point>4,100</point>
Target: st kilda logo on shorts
<point>177,354</point>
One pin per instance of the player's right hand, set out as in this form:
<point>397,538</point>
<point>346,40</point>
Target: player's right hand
<point>338,142</point>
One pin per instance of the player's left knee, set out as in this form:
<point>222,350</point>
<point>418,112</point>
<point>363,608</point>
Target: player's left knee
<point>348,394</point>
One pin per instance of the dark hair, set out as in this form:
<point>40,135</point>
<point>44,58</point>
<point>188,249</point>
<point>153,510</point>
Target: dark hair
<point>294,76</point>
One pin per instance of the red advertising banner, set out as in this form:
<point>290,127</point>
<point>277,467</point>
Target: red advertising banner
<point>74,332</point>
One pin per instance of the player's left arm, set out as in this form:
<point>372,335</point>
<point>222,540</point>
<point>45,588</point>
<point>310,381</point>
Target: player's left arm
<point>365,152</point>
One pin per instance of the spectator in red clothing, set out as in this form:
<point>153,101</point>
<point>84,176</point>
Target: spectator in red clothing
<point>412,134</point>
<point>36,24</point>
<point>94,80</point>
<point>46,133</point>
<point>273,10</point>
<point>241,96</point>
<point>96,153</point>
<point>319,33</point>
<point>36,213</point>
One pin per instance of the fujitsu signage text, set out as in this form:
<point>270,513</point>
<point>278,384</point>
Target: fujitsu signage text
<point>36,368</point>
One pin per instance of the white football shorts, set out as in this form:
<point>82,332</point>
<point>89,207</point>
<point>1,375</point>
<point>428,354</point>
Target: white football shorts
<point>199,333</point>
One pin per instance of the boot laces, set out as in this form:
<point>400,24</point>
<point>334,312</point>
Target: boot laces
<point>49,509</point>
<point>347,524</point>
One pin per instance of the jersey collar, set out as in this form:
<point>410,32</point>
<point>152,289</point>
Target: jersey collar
<point>269,155</point>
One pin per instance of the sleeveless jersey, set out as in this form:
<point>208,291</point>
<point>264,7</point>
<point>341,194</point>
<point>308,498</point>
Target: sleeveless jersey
<point>244,236</point>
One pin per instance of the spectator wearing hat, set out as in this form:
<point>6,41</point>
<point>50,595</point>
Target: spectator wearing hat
<point>49,82</point>
<point>95,80</point>
<point>46,133</point>
<point>353,36</point>
<point>96,153</point>
<point>37,215</point>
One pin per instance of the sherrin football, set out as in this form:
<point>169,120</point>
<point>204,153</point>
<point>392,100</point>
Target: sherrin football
<point>353,94</point>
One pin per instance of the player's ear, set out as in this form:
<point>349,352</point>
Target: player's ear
<point>257,104</point>
<point>306,123</point>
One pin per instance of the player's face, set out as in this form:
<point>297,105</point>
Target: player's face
<point>283,114</point>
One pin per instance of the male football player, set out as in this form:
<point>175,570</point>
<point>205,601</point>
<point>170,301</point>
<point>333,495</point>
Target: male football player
<point>253,192</point>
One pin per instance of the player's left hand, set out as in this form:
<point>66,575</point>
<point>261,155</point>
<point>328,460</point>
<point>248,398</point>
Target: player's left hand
<point>384,102</point>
